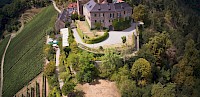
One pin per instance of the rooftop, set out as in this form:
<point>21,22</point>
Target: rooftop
<point>72,5</point>
<point>92,6</point>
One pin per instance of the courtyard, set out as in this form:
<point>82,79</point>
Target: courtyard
<point>114,39</point>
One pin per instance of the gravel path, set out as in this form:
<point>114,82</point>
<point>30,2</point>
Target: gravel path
<point>114,37</point>
<point>61,83</point>
<point>54,4</point>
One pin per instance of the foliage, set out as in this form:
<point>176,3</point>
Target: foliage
<point>67,88</point>
<point>159,90</point>
<point>98,25</point>
<point>81,18</point>
<point>50,68</point>
<point>141,70</point>
<point>156,48</point>
<point>110,63</point>
<point>49,52</point>
<point>123,39</point>
<point>67,24</point>
<point>11,9</point>
<point>184,70</point>
<point>117,24</point>
<point>98,39</point>
<point>74,16</point>
<point>24,57</point>
<point>55,92</point>
<point>37,90</point>
<point>87,71</point>
<point>139,13</point>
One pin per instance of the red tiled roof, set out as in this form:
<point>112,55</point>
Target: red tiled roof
<point>120,1</point>
<point>72,5</point>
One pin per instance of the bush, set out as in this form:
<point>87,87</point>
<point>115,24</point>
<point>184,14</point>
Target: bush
<point>74,16</point>
<point>117,24</point>
<point>98,39</point>
<point>67,88</point>
<point>81,18</point>
<point>50,69</point>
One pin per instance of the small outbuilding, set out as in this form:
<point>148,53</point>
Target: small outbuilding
<point>65,33</point>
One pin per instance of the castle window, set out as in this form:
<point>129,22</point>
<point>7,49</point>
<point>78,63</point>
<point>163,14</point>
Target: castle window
<point>95,15</point>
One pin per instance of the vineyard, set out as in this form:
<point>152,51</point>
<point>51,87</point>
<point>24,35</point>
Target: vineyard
<point>24,58</point>
<point>2,47</point>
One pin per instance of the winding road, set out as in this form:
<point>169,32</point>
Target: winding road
<point>114,37</point>
<point>54,4</point>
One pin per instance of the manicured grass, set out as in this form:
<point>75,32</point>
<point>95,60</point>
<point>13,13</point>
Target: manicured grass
<point>24,58</point>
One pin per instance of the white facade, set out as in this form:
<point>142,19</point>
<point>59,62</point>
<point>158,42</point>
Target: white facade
<point>65,33</point>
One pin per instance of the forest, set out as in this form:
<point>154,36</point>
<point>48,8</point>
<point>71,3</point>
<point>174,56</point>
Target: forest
<point>10,11</point>
<point>167,64</point>
<point>170,43</point>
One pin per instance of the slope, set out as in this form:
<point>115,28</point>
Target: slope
<point>24,58</point>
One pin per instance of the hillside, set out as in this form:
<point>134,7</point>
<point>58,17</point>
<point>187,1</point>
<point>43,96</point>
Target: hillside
<point>24,58</point>
<point>3,46</point>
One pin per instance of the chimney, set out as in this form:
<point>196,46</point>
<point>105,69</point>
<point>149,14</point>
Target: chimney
<point>109,8</point>
<point>99,7</point>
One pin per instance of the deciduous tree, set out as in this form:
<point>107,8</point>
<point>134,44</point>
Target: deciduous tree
<point>141,69</point>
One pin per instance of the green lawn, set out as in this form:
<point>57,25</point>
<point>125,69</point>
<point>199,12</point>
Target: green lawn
<point>24,58</point>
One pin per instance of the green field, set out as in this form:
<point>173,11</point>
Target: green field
<point>24,58</point>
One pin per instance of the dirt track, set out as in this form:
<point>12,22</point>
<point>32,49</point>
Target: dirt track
<point>2,63</point>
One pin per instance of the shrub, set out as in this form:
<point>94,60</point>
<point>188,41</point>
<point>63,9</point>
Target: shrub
<point>50,69</point>
<point>98,39</point>
<point>81,18</point>
<point>121,24</point>
<point>67,88</point>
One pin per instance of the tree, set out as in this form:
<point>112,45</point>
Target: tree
<point>139,13</point>
<point>73,61</point>
<point>67,88</point>
<point>121,74</point>
<point>156,48</point>
<point>159,90</point>
<point>110,63</point>
<point>87,71</point>
<point>183,72</point>
<point>50,68</point>
<point>141,69</point>
<point>74,16</point>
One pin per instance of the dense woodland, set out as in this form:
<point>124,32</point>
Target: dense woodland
<point>10,11</point>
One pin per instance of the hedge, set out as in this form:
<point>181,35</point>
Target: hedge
<point>98,39</point>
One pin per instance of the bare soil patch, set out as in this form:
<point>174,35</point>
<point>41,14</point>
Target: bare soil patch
<point>102,88</point>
